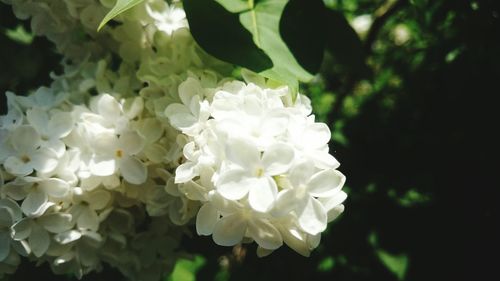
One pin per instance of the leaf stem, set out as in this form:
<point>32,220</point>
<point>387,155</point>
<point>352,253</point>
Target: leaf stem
<point>251,6</point>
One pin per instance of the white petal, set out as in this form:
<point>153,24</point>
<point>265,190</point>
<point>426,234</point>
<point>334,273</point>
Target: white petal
<point>15,191</point>
<point>194,191</point>
<point>131,143</point>
<point>313,240</point>
<point>322,159</point>
<point>206,219</point>
<point>301,173</point>
<point>243,153</point>
<point>39,240</point>
<point>172,188</point>
<point>35,203</point>
<point>99,199</point>
<point>4,245</point>
<point>25,139</point>
<point>102,166</point>
<point>316,135</point>
<point>56,223</point>
<point>275,123</point>
<point>104,143</point>
<point>68,236</point>
<point>151,129</point>
<point>109,107</point>
<point>133,107</point>
<point>21,247</point>
<point>277,159</point>
<point>194,106</point>
<point>186,172</point>
<point>17,167</point>
<point>326,183</point>
<point>261,252</point>
<point>335,212</point>
<point>38,118</point>
<point>235,184</point>
<point>60,125</point>
<point>265,234</point>
<point>88,219</point>
<point>229,230</point>
<point>179,116</point>
<point>90,183</point>
<point>21,230</point>
<point>285,203</point>
<point>56,146</point>
<point>67,257</point>
<point>263,194</point>
<point>188,89</point>
<point>54,187</point>
<point>14,209</point>
<point>334,200</point>
<point>156,153</point>
<point>44,160</point>
<point>133,170</point>
<point>296,240</point>
<point>312,219</point>
<point>6,215</point>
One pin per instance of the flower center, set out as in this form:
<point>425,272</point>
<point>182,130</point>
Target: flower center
<point>119,153</point>
<point>25,159</point>
<point>259,172</point>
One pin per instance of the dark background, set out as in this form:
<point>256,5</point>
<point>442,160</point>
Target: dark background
<point>416,134</point>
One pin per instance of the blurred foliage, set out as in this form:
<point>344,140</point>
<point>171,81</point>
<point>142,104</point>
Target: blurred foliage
<point>414,136</point>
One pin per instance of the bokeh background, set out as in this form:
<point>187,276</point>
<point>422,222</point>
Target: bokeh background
<point>414,126</point>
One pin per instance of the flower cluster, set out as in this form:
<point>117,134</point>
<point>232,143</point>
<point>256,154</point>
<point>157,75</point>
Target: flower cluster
<point>259,164</point>
<point>144,134</point>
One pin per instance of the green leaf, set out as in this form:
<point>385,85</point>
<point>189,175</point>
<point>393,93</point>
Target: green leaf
<point>326,264</point>
<point>20,35</point>
<point>302,29</point>
<point>263,21</point>
<point>120,7</point>
<point>220,33</point>
<point>344,44</point>
<point>185,270</point>
<point>234,6</point>
<point>397,264</point>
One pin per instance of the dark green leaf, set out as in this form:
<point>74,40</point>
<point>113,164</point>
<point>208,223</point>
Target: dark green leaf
<point>397,264</point>
<point>344,44</point>
<point>185,270</point>
<point>235,6</point>
<point>220,33</point>
<point>263,21</point>
<point>302,28</point>
<point>120,7</point>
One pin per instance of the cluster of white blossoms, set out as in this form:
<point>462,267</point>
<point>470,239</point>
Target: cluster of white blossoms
<point>258,163</point>
<point>143,135</point>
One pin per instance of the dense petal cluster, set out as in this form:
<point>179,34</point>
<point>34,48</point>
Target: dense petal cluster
<point>142,135</point>
<point>258,163</point>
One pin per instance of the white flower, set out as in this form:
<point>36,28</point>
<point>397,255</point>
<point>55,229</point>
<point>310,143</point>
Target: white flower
<point>253,172</point>
<point>305,186</point>
<point>238,221</point>
<point>167,18</point>
<point>88,206</point>
<point>112,154</point>
<point>10,213</point>
<point>35,193</point>
<point>27,154</point>
<point>37,231</point>
<point>190,116</point>
<point>310,140</point>
<point>51,128</point>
